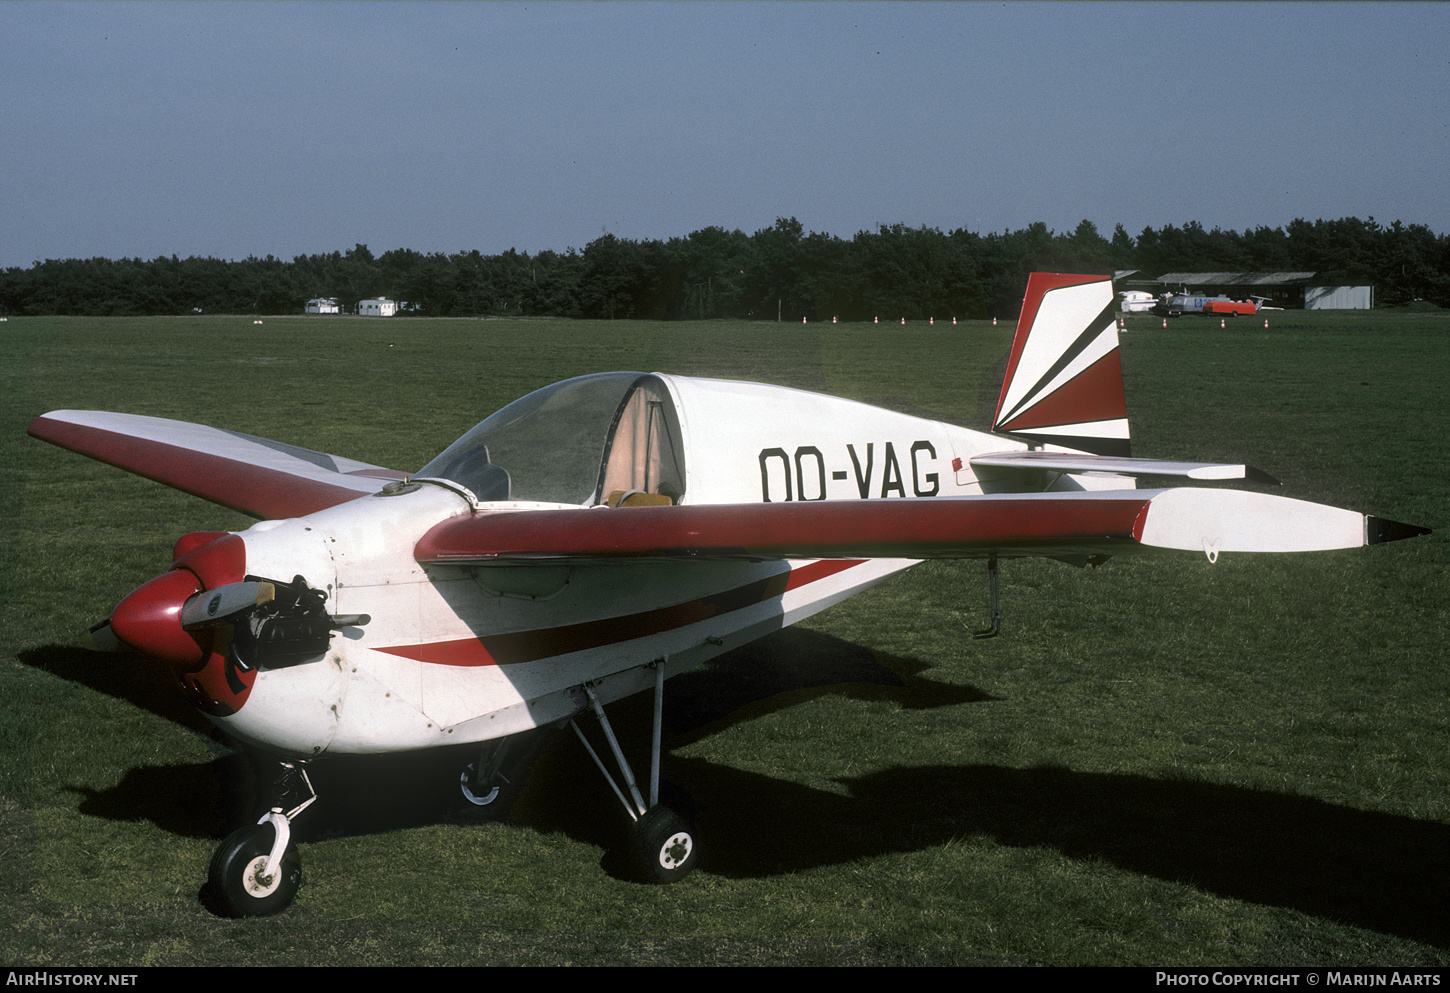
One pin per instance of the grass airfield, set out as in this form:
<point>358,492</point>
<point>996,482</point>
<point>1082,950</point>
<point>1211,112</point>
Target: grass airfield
<point>1159,762</point>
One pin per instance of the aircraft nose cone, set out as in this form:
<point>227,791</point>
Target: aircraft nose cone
<point>149,619</point>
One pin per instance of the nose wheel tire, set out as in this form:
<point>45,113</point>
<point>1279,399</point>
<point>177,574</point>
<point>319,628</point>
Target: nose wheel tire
<point>663,847</point>
<point>242,884</point>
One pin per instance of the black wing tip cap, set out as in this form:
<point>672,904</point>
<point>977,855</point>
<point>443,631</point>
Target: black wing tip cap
<point>1379,530</point>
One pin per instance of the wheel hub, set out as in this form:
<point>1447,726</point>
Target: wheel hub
<point>259,885</point>
<point>676,850</point>
<point>478,799</point>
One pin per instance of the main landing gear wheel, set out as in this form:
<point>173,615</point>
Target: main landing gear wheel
<point>491,783</point>
<point>662,847</point>
<point>482,799</point>
<point>242,883</point>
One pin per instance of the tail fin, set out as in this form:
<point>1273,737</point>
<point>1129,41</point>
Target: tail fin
<point>1064,382</point>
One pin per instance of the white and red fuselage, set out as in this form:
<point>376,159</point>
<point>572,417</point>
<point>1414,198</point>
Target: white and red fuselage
<point>463,652</point>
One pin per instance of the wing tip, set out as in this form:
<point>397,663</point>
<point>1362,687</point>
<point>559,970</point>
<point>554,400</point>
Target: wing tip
<point>37,428</point>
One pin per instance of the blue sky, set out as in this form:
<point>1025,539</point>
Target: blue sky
<point>221,129</point>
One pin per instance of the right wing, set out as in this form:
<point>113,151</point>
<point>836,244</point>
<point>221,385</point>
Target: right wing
<point>263,478</point>
<point>1070,525</point>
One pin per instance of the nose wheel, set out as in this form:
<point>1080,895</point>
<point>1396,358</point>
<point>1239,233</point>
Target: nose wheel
<point>256,871</point>
<point>246,881</point>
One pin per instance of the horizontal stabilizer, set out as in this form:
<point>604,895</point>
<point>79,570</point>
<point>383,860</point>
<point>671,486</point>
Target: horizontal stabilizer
<point>1006,525</point>
<point>266,479</point>
<point>1122,466</point>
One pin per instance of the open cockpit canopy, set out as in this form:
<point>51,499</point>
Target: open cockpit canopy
<point>592,440</point>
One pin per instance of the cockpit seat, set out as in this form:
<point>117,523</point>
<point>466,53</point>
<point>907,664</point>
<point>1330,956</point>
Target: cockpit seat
<point>486,481</point>
<point>638,498</point>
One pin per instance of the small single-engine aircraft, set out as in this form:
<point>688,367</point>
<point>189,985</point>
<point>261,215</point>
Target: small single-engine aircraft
<point>1177,304</point>
<point>600,535</point>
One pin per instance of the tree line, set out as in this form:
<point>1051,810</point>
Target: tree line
<point>778,272</point>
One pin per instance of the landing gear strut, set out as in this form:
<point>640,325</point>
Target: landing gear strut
<point>257,870</point>
<point>662,847</point>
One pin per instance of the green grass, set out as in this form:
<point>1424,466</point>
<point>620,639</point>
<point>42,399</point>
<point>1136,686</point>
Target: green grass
<point>1158,762</point>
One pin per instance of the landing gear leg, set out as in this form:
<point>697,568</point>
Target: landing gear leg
<point>257,870</point>
<point>662,847</point>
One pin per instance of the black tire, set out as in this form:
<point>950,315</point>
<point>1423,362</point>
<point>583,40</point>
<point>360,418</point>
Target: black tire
<point>663,847</point>
<point>235,888</point>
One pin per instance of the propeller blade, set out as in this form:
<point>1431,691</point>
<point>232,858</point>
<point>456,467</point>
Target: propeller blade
<point>214,606</point>
<point>100,638</point>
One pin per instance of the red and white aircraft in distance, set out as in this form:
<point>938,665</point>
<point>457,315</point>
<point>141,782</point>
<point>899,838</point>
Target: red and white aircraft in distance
<point>602,534</point>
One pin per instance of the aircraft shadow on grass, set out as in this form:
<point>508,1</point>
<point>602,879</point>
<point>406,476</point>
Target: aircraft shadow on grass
<point>1382,872</point>
<point>365,794</point>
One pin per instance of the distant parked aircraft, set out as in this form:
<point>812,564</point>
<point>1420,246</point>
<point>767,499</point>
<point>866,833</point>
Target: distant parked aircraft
<point>1174,304</point>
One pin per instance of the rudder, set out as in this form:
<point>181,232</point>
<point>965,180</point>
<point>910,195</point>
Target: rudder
<point>1064,382</point>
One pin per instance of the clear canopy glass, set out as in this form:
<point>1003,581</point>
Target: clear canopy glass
<point>580,441</point>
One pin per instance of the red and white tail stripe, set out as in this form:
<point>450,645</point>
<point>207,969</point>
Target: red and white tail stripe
<point>1064,382</point>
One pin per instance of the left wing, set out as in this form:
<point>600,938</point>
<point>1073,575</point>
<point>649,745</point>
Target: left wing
<point>263,478</point>
<point>1008,525</point>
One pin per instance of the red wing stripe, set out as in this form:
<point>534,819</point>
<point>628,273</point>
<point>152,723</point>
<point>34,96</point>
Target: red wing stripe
<point>854,529</point>
<point>531,646</point>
